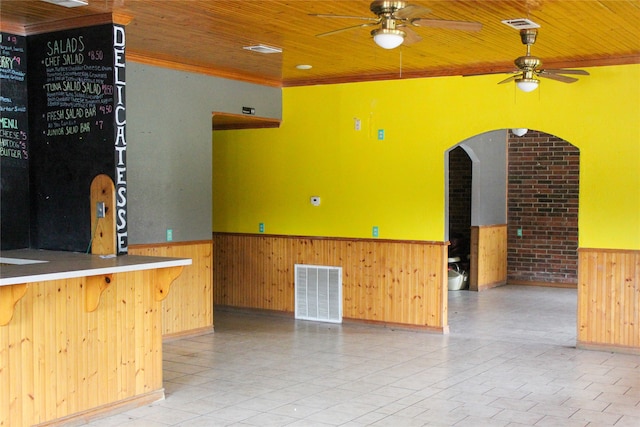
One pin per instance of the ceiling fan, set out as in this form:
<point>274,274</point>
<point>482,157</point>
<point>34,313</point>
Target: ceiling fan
<point>529,67</point>
<point>395,19</point>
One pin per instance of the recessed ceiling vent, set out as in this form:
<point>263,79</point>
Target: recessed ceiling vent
<point>68,3</point>
<point>318,293</point>
<point>261,48</point>
<point>520,23</point>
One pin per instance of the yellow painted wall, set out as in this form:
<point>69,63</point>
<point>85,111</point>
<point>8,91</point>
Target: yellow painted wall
<point>268,175</point>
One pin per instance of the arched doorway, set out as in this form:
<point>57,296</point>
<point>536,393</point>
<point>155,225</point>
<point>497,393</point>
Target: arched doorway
<point>523,192</point>
<point>524,210</point>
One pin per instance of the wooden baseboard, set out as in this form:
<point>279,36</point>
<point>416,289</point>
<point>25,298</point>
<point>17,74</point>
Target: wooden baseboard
<point>84,417</point>
<point>187,334</point>
<point>399,326</point>
<point>544,284</point>
<point>608,347</point>
<point>486,286</point>
<point>254,311</point>
<point>376,323</point>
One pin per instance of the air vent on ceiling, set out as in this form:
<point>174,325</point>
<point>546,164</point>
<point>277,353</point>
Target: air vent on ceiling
<point>520,23</point>
<point>318,293</point>
<point>261,48</point>
<point>68,3</point>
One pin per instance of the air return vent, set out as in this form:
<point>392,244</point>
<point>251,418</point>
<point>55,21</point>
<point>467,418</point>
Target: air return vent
<point>318,293</point>
<point>68,3</point>
<point>520,23</point>
<point>261,48</point>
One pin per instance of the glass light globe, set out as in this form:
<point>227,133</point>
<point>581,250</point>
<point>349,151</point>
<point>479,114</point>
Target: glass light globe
<point>527,85</point>
<point>388,39</point>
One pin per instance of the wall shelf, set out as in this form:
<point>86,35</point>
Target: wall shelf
<point>229,121</point>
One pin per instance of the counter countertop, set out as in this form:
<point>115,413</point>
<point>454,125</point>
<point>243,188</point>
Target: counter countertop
<point>31,265</point>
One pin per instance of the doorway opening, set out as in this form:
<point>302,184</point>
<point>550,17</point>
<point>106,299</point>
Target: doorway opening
<point>459,198</point>
<point>523,205</point>
<point>515,200</point>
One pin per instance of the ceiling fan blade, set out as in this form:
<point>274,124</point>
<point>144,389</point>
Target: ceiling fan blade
<point>451,25</point>
<point>328,33</point>
<point>322,15</point>
<point>509,79</point>
<point>412,11</point>
<point>411,36</point>
<point>558,77</point>
<point>563,71</point>
<point>488,73</point>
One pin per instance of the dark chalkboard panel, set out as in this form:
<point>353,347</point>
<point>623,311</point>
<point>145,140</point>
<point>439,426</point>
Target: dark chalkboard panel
<point>71,106</point>
<point>14,143</point>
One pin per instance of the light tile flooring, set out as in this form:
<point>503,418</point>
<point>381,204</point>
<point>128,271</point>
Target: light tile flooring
<point>510,360</point>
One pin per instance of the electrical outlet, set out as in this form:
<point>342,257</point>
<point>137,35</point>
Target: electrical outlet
<point>519,232</point>
<point>261,227</point>
<point>380,134</point>
<point>100,210</point>
<point>374,231</point>
<point>169,234</point>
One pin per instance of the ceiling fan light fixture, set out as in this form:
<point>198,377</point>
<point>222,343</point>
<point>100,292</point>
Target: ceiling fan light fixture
<point>519,131</point>
<point>527,85</point>
<point>387,38</point>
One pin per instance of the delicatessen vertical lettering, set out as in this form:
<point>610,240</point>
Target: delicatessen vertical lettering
<point>120,139</point>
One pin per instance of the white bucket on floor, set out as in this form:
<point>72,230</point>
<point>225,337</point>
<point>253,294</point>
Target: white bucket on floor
<point>456,280</point>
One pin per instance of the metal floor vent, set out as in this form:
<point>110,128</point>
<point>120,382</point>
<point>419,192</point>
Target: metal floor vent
<point>318,293</point>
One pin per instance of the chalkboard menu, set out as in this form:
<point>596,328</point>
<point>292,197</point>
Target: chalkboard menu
<point>14,142</point>
<point>72,94</point>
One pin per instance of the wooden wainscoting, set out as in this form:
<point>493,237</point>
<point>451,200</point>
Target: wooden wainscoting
<point>488,257</point>
<point>188,309</point>
<point>390,282</point>
<point>60,363</point>
<point>609,299</point>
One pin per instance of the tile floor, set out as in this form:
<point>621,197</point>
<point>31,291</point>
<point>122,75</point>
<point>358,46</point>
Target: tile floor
<point>509,360</point>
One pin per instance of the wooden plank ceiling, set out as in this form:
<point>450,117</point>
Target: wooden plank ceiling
<point>208,36</point>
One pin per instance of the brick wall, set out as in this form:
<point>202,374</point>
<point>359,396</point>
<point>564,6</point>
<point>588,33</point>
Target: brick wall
<point>543,202</point>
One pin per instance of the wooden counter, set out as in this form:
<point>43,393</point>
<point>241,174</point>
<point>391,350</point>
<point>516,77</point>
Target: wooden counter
<point>80,335</point>
<point>28,265</point>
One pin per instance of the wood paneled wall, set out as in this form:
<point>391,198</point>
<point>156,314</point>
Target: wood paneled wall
<point>488,257</point>
<point>57,359</point>
<point>393,282</point>
<point>188,308</point>
<point>609,299</point>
